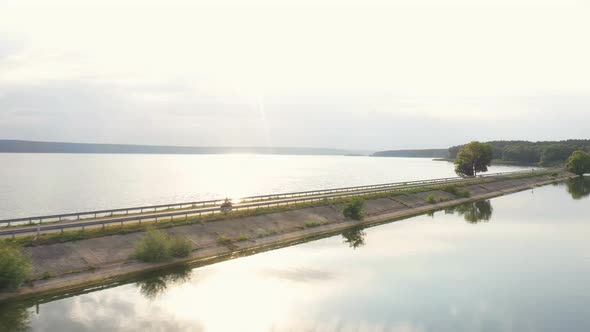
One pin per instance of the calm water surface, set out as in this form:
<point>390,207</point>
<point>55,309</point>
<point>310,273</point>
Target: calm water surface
<point>515,263</point>
<point>38,184</point>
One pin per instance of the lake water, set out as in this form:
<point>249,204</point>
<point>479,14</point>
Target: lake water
<point>40,184</point>
<point>514,263</point>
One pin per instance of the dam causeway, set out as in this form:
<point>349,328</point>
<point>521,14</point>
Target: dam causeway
<point>75,265</point>
<point>182,211</point>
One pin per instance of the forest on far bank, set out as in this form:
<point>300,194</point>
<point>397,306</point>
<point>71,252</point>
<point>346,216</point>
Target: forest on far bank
<point>544,153</point>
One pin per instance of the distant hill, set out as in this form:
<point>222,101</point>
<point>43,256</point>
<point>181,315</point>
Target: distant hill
<point>425,153</point>
<point>16,146</point>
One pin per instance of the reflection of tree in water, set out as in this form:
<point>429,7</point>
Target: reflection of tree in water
<point>355,237</point>
<point>155,284</point>
<point>14,319</point>
<point>473,212</point>
<point>579,187</point>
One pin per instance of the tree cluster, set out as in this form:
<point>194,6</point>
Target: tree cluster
<point>542,153</point>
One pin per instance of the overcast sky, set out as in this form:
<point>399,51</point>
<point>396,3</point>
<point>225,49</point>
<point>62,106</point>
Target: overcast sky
<point>343,74</point>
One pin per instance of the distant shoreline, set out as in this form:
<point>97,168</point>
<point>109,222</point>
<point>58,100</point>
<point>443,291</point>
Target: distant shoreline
<point>412,153</point>
<point>19,146</point>
<point>496,162</point>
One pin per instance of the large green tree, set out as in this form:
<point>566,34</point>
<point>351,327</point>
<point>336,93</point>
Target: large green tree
<point>473,158</point>
<point>578,163</point>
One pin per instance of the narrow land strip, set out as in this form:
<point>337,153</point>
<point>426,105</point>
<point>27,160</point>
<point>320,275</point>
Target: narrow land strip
<point>74,265</point>
<point>12,229</point>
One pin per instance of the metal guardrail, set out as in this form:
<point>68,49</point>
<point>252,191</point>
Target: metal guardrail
<point>111,212</point>
<point>191,213</point>
<point>141,209</point>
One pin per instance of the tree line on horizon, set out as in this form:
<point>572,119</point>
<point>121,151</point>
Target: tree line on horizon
<point>544,153</point>
<point>475,157</point>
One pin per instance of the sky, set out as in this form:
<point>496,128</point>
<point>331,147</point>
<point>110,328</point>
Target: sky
<point>368,75</point>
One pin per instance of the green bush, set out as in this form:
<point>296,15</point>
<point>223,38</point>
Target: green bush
<point>158,246</point>
<point>430,199</point>
<point>355,209</point>
<point>153,247</point>
<point>15,266</point>
<point>456,191</point>
<point>180,246</point>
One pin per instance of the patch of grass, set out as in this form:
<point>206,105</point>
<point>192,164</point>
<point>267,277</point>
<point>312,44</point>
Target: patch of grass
<point>46,275</point>
<point>15,266</point>
<point>431,199</point>
<point>222,239</point>
<point>311,223</point>
<point>355,209</point>
<point>243,237</point>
